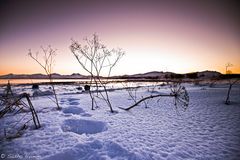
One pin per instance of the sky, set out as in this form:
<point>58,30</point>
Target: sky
<point>177,35</point>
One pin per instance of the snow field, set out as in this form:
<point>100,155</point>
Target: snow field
<point>209,129</point>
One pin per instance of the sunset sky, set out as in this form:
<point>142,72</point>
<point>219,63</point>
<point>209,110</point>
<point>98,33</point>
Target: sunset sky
<point>177,36</point>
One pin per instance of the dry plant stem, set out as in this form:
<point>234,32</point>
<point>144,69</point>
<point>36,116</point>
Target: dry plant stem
<point>34,114</point>
<point>106,97</point>
<point>91,80</point>
<point>178,92</point>
<point>91,74</point>
<point>8,107</point>
<point>54,93</point>
<point>130,91</point>
<point>227,101</point>
<point>86,69</point>
<point>49,54</point>
<point>145,98</point>
<point>90,93</point>
<point>145,103</point>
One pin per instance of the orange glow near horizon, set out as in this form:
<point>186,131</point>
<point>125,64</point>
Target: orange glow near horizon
<point>157,36</point>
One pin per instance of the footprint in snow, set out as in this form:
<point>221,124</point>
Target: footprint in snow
<point>73,110</point>
<point>95,150</point>
<point>81,126</point>
<point>72,99</point>
<point>74,103</point>
<point>86,115</point>
<point>76,110</point>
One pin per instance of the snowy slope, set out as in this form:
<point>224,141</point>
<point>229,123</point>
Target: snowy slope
<point>207,130</point>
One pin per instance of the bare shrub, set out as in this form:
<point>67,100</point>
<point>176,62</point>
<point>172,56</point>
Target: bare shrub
<point>178,92</point>
<point>96,59</point>
<point>132,91</point>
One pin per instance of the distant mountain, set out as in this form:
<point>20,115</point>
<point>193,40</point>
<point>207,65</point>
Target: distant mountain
<point>23,76</point>
<point>77,75</point>
<point>152,75</point>
<point>42,76</point>
<point>148,75</point>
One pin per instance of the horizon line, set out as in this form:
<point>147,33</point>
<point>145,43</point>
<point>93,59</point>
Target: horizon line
<point>115,75</point>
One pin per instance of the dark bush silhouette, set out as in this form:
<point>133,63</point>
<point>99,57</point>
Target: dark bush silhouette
<point>87,88</point>
<point>176,76</point>
<point>35,86</point>
<point>79,88</point>
<point>192,75</point>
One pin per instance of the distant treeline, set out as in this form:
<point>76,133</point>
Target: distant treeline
<point>193,75</point>
<point>229,76</point>
<point>181,76</point>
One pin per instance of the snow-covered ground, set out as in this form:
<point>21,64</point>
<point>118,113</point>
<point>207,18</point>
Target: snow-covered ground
<point>208,129</point>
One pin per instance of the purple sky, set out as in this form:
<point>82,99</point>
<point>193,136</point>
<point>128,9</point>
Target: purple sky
<point>178,36</point>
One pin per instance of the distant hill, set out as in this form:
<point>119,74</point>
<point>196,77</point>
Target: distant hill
<point>208,74</point>
<point>169,75</point>
<point>148,75</point>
